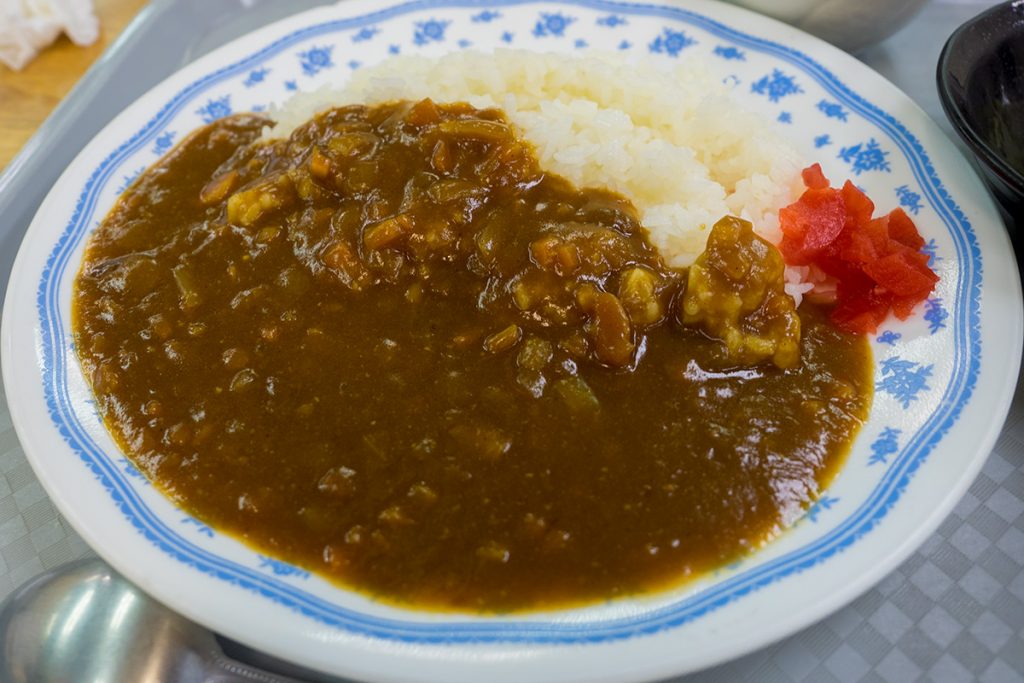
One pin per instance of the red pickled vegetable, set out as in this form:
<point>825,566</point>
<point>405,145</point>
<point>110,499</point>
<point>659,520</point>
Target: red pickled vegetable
<point>810,225</point>
<point>814,178</point>
<point>903,230</point>
<point>859,208</point>
<point>877,262</point>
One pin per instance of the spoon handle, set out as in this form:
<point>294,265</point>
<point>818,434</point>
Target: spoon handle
<point>221,669</point>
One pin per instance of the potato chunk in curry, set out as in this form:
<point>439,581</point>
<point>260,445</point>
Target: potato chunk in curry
<point>735,293</point>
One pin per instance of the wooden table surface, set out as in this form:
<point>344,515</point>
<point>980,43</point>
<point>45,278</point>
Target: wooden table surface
<point>28,96</point>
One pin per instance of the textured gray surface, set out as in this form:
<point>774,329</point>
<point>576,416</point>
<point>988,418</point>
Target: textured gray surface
<point>953,612</point>
<point>33,536</point>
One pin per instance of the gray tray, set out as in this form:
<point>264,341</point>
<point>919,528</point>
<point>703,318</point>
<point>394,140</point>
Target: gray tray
<point>952,612</point>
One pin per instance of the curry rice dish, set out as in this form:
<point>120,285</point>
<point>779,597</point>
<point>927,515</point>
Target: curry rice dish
<point>392,349</point>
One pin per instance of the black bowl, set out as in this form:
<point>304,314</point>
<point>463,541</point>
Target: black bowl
<point>981,87</point>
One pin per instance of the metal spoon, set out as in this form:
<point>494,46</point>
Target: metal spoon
<point>84,622</point>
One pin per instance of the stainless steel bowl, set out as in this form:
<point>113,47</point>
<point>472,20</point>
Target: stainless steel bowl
<point>849,24</point>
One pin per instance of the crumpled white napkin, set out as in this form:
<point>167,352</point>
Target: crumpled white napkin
<point>27,26</point>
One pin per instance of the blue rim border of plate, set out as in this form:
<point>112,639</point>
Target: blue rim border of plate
<point>861,521</point>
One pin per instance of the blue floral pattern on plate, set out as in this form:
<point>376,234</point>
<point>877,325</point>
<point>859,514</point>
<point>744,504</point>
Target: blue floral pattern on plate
<point>866,156</point>
<point>730,52</point>
<point>552,24</point>
<point>215,109</point>
<point>430,31</point>
<point>824,503</point>
<point>776,86</point>
<point>885,445</point>
<point>163,142</point>
<point>833,110</point>
<point>671,43</point>
<point>903,379</point>
<point>909,200</point>
<point>316,59</point>
<point>255,77</point>
<point>612,20</point>
<point>280,568</point>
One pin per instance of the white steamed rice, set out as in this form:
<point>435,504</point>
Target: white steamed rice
<point>669,138</point>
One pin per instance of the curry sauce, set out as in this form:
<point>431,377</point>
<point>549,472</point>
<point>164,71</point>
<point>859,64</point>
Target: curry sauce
<point>393,350</point>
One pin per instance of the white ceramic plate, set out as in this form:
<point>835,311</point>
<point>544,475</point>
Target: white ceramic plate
<point>943,378</point>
